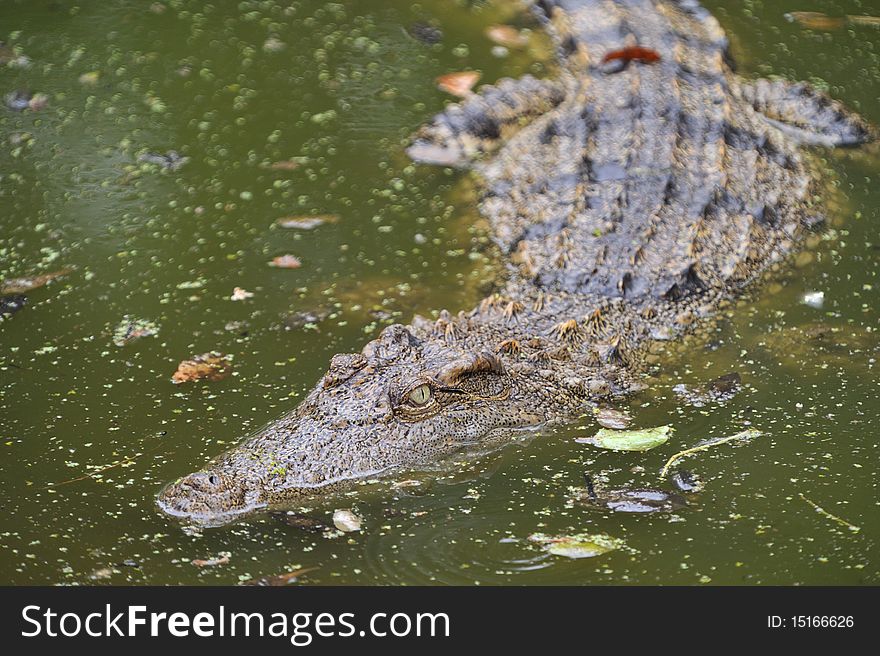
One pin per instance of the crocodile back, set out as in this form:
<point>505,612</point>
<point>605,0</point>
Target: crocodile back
<point>653,178</point>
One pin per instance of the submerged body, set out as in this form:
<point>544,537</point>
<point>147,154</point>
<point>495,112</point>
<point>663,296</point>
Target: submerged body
<point>632,196</point>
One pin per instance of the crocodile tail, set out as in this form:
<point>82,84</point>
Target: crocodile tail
<point>805,114</point>
<point>464,131</point>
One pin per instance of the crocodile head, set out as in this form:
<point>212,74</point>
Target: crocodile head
<point>403,402</point>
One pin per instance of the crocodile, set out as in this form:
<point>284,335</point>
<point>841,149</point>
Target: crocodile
<point>632,197</point>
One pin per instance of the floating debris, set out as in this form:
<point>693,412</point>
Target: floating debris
<point>9,56</point>
<point>635,440</point>
<point>408,483</point>
<point>274,44</point>
<point>305,318</point>
<point>718,390</point>
<point>870,21</point>
<point>279,579</point>
<point>101,574</point>
<point>11,304</point>
<point>579,545</point>
<point>819,509</point>
<point>131,329</point>
<point>306,222</point>
<point>686,481</point>
<point>287,164</point>
<point>27,283</point>
<point>96,473</point>
<point>458,84</point>
<point>303,522</point>
<point>636,500</point>
<point>38,101</point>
<point>222,559</point>
<point>507,36</point>
<point>610,418</point>
<point>814,299</point>
<point>617,60</point>
<point>239,294</point>
<point>346,521</point>
<point>170,161</point>
<point>742,436</point>
<point>18,101</point>
<point>814,20</point>
<point>90,79</point>
<point>425,32</point>
<point>207,366</point>
<point>286,262</point>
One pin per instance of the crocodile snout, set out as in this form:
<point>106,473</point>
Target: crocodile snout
<point>206,497</point>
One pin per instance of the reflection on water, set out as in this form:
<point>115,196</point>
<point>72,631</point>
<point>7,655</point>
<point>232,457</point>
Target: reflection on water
<point>298,109</point>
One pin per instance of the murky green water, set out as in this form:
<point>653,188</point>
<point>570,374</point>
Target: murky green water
<point>237,87</point>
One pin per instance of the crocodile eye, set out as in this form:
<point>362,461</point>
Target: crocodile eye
<point>421,394</point>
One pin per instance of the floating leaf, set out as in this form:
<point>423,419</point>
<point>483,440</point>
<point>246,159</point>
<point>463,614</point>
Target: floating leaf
<point>207,366</point>
<point>507,36</point>
<point>286,262</point>
<point>239,294</point>
<point>27,283</point>
<point>610,418</point>
<point>458,84</point>
<point>580,545</point>
<point>279,579</point>
<point>872,21</point>
<point>90,79</point>
<point>101,574</point>
<point>346,521</point>
<point>286,164</point>
<point>274,44</point>
<point>814,20</point>
<point>38,101</point>
<point>306,222</point>
<point>635,440</point>
<point>223,559</point>
<point>131,329</point>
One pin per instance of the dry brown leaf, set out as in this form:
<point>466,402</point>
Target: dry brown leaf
<point>211,562</point>
<point>873,21</point>
<point>284,165</point>
<point>279,579</point>
<point>814,20</point>
<point>207,366</point>
<point>306,222</point>
<point>26,284</point>
<point>507,36</point>
<point>458,84</point>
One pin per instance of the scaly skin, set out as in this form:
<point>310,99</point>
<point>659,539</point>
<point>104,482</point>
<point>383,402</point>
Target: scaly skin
<point>632,200</point>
